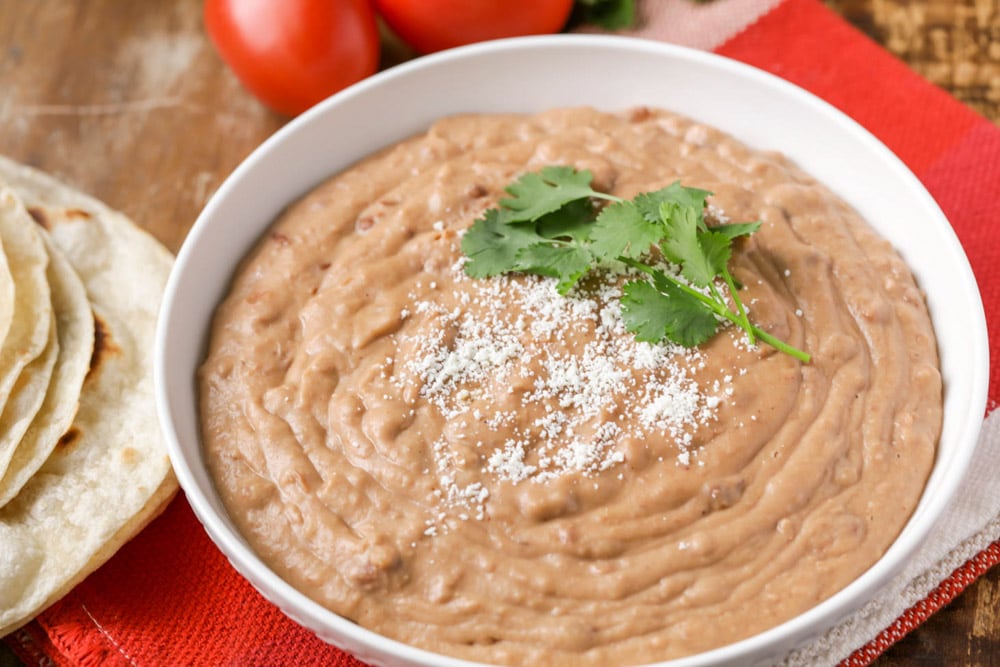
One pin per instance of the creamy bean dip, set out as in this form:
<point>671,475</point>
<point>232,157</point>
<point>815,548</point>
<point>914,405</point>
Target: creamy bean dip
<point>489,470</point>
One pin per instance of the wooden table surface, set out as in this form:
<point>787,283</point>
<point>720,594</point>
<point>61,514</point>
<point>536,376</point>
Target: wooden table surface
<point>127,101</point>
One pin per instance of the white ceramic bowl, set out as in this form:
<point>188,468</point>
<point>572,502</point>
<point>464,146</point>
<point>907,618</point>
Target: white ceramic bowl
<point>532,74</point>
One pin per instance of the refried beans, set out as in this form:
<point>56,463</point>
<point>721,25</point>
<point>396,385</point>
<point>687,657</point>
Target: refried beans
<point>489,470</point>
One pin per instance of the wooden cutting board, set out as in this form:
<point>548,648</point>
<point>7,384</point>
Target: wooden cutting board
<point>128,102</point>
<point>952,43</point>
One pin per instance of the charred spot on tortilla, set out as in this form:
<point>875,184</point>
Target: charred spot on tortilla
<point>104,345</point>
<point>72,513</point>
<point>38,215</point>
<point>69,438</point>
<point>78,213</point>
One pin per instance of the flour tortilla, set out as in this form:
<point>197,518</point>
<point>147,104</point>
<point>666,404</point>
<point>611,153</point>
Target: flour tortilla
<point>26,397</point>
<point>113,476</point>
<point>6,295</point>
<point>28,335</point>
<point>28,377</point>
<point>75,331</point>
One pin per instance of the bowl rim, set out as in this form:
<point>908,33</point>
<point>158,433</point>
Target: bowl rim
<point>358,639</point>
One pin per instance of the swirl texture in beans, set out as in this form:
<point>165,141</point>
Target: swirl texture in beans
<point>488,470</point>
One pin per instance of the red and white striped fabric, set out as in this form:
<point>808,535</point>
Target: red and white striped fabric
<point>170,597</point>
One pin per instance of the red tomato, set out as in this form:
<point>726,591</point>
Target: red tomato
<point>293,53</point>
<point>433,25</point>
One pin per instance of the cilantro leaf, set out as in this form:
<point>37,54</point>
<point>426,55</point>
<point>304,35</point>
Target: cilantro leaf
<point>566,263</point>
<point>492,245</point>
<point>735,230</point>
<point>572,221</point>
<point>716,249</point>
<point>650,203</point>
<point>652,315</point>
<point>535,194</point>
<point>643,311</point>
<point>681,245</point>
<point>621,230</point>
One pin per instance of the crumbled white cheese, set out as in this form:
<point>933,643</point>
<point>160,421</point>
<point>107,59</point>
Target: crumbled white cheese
<point>593,389</point>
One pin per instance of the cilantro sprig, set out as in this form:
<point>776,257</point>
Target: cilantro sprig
<point>551,226</point>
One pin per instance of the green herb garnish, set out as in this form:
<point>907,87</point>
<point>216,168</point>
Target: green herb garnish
<point>550,226</point>
<point>608,14</point>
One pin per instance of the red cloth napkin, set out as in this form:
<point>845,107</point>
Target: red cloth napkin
<point>170,597</point>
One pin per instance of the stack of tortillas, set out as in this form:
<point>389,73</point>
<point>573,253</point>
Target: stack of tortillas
<point>82,464</point>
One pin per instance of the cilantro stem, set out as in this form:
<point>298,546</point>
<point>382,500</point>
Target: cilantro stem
<point>744,320</point>
<point>718,297</point>
<point>778,344</point>
<point>604,195</point>
<point>707,300</point>
<point>719,307</point>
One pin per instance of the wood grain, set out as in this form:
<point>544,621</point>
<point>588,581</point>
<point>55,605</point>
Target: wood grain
<point>127,101</point>
<point>954,44</point>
